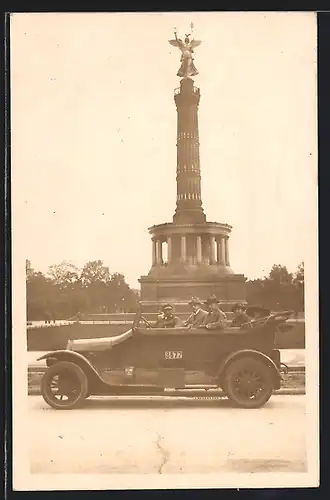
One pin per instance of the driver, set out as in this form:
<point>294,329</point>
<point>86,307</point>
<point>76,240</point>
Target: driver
<point>167,319</point>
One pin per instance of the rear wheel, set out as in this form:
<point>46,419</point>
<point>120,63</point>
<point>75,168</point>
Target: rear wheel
<point>64,386</point>
<point>248,383</point>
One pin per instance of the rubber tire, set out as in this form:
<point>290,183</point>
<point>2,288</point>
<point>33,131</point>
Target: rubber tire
<point>257,365</point>
<point>54,369</point>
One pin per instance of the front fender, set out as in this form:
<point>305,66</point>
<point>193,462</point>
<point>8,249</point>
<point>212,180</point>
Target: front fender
<point>249,353</point>
<point>73,357</point>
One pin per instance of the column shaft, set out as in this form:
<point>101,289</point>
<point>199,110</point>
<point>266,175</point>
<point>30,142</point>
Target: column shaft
<point>222,250</point>
<point>212,248</point>
<point>226,252</point>
<point>169,249</point>
<point>218,251</point>
<point>159,257</point>
<point>199,249</point>
<point>154,254</point>
<point>183,249</point>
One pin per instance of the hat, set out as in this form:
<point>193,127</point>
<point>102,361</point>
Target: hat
<point>253,310</point>
<point>195,302</point>
<point>167,306</point>
<point>238,305</point>
<point>212,300</point>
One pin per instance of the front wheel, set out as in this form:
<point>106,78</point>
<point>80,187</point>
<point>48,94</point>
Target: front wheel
<point>248,383</point>
<point>64,386</point>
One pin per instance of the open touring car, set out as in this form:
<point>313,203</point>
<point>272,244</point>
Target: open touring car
<point>241,362</point>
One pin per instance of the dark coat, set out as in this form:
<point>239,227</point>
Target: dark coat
<point>240,320</point>
<point>167,322</point>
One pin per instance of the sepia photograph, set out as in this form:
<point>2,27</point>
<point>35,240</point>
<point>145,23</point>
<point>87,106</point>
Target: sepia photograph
<point>164,250</point>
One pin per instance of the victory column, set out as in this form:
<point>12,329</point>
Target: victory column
<point>197,261</point>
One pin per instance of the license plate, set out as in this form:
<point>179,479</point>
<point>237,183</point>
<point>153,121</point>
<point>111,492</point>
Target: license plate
<point>173,354</point>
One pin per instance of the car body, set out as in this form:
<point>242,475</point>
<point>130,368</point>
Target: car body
<point>241,362</point>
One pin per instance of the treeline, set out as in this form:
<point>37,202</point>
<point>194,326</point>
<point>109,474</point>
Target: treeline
<point>66,291</point>
<point>280,290</point>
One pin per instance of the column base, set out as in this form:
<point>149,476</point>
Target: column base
<point>154,293</point>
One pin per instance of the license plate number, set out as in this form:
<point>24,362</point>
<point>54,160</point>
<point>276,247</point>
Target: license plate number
<point>173,354</point>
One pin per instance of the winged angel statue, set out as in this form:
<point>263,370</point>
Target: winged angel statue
<point>187,68</point>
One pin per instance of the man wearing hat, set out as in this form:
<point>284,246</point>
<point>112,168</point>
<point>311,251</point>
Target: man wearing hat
<point>198,315</point>
<point>257,312</point>
<point>167,319</point>
<point>240,316</point>
<point>216,318</point>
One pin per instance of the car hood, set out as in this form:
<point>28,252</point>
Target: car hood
<point>99,344</point>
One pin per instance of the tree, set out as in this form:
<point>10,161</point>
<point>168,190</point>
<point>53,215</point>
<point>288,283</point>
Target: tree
<point>28,269</point>
<point>95,278</point>
<point>299,276</point>
<point>254,292</point>
<point>39,293</point>
<point>94,272</point>
<point>279,290</point>
<point>299,283</point>
<point>65,280</point>
<point>67,290</point>
<point>64,274</point>
<point>280,275</point>
<point>121,296</point>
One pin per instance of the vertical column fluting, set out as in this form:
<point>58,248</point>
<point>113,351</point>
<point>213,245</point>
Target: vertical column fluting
<point>188,204</point>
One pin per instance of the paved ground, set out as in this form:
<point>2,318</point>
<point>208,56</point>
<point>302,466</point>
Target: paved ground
<point>144,435</point>
<point>292,357</point>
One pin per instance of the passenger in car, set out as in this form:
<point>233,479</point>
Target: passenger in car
<point>216,318</point>
<point>168,318</point>
<point>257,312</point>
<point>240,316</point>
<point>198,315</point>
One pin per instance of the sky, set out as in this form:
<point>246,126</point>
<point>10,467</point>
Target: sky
<point>94,135</point>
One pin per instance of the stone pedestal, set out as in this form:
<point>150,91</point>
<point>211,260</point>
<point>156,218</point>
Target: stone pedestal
<point>178,291</point>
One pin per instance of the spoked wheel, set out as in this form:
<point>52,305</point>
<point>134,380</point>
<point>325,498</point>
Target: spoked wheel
<point>248,383</point>
<point>64,386</point>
